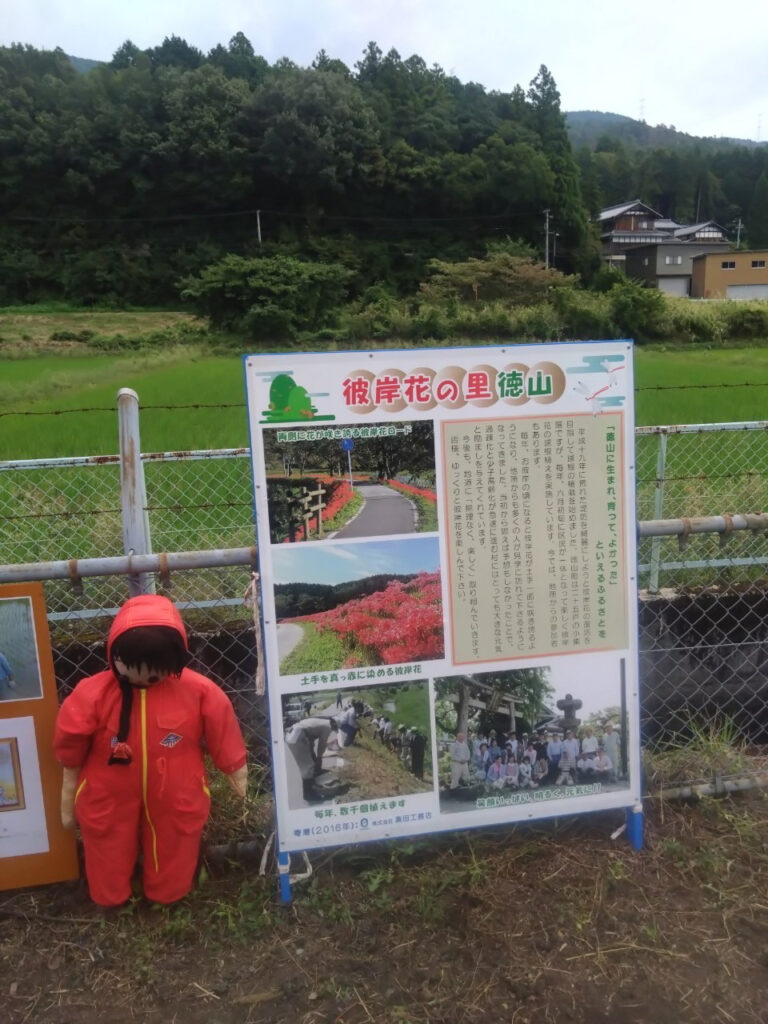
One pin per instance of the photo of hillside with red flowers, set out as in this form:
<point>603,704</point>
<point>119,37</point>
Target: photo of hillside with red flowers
<point>348,481</point>
<point>382,618</point>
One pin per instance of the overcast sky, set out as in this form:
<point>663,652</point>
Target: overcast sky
<point>695,64</point>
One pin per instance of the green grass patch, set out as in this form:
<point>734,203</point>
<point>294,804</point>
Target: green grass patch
<point>427,520</point>
<point>163,380</point>
<point>314,651</point>
<point>344,515</point>
<point>411,705</point>
<point>679,374</point>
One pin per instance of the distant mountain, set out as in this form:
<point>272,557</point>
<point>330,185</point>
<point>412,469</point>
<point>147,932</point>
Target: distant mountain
<point>82,65</point>
<point>586,127</point>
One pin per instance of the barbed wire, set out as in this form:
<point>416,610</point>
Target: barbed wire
<point>111,409</point>
<point>241,405</point>
<point>284,214</point>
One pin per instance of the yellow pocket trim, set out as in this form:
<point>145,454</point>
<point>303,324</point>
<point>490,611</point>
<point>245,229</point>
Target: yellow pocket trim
<point>80,789</point>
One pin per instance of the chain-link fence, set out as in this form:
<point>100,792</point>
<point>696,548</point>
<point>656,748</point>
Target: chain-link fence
<point>702,597</point>
<point>701,470</point>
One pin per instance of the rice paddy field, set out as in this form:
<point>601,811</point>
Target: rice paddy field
<point>190,383</point>
<point>191,398</point>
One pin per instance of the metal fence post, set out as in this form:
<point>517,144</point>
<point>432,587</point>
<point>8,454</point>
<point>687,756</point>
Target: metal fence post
<point>658,507</point>
<point>133,494</point>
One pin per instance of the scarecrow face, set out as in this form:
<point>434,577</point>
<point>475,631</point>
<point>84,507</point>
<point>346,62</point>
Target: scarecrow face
<point>140,676</point>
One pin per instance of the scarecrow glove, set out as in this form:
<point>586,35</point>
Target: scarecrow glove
<point>68,788</point>
<point>238,780</point>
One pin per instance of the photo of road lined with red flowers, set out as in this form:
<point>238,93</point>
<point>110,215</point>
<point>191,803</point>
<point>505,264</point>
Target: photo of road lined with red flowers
<point>366,619</point>
<point>318,489</point>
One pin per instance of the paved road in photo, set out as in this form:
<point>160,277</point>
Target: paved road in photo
<point>385,512</point>
<point>289,635</point>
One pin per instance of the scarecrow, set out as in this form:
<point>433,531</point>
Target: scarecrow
<point>131,740</point>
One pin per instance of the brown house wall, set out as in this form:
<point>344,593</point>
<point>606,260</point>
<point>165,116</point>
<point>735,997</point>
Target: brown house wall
<point>710,281</point>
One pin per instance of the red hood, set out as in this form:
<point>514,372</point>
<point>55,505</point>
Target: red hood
<point>146,610</point>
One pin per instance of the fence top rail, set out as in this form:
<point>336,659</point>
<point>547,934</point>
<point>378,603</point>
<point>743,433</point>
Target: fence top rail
<point>723,524</point>
<point>164,562</point>
<point>64,462</point>
<point>702,428</point>
<point>60,463</point>
<point>128,565</point>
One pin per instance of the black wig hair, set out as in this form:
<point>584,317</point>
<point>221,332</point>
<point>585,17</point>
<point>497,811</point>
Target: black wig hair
<point>158,647</point>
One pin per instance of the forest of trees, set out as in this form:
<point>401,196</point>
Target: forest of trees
<point>124,183</point>
<point>308,598</point>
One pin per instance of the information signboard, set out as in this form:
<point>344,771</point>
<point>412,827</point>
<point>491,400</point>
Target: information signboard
<point>449,627</point>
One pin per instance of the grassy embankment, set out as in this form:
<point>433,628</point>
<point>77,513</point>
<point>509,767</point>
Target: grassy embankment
<point>427,513</point>
<point>315,649</point>
<point>374,771</point>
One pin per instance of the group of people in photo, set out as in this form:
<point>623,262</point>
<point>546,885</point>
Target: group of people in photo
<point>550,757</point>
<point>409,743</point>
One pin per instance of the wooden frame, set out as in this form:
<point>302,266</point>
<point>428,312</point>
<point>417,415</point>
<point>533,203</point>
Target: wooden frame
<point>35,849</point>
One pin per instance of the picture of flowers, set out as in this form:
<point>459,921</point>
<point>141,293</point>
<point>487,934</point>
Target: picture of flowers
<point>341,606</point>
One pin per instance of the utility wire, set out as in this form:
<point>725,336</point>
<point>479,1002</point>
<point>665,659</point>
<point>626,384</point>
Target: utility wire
<point>284,214</point>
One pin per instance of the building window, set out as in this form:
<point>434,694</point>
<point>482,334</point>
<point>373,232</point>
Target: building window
<point>758,264</point>
<point>673,261</point>
<point>728,265</point>
<point>645,261</point>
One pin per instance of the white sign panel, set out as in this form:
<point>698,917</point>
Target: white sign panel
<point>447,554</point>
<point>22,815</point>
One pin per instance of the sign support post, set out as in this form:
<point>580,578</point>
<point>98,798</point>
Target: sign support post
<point>284,875</point>
<point>635,826</point>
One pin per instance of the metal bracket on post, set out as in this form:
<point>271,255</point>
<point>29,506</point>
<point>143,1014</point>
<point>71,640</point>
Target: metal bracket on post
<point>682,538</point>
<point>75,577</point>
<point>165,572</point>
<point>725,536</point>
<point>133,494</point>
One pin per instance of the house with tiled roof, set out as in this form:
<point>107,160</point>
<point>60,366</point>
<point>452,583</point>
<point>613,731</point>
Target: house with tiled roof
<point>653,248</point>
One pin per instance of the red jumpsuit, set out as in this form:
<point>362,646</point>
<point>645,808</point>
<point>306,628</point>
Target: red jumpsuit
<point>161,799</point>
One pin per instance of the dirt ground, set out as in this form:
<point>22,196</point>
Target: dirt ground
<point>523,924</point>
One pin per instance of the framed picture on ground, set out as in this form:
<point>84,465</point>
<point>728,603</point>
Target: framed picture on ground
<point>35,849</point>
